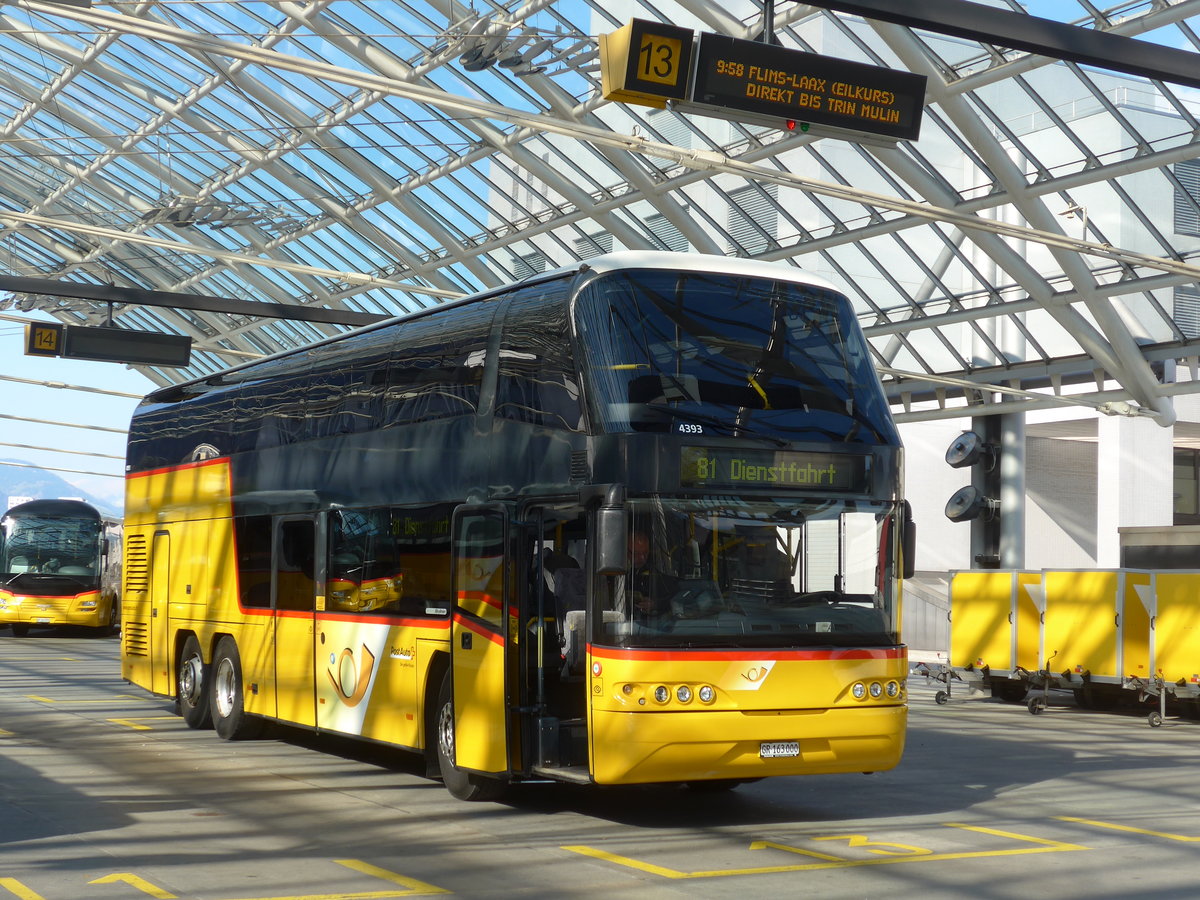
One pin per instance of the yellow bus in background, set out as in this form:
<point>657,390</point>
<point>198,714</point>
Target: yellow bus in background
<point>420,533</point>
<point>60,564</point>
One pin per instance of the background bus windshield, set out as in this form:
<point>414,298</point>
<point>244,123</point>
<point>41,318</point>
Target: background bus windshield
<point>699,353</point>
<point>49,545</point>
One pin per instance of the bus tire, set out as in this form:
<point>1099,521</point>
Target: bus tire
<point>461,785</point>
<point>20,630</point>
<point>114,619</point>
<point>229,716</point>
<point>191,685</point>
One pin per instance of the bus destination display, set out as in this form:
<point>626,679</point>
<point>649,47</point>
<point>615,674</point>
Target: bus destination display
<point>724,467</point>
<point>766,79</point>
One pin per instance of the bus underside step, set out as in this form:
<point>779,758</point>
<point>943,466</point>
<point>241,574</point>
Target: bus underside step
<point>573,774</point>
<point>562,743</point>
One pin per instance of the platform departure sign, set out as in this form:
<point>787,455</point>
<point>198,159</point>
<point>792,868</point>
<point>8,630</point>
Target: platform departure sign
<point>107,344</point>
<point>652,64</point>
<point>646,63</point>
<point>791,84</point>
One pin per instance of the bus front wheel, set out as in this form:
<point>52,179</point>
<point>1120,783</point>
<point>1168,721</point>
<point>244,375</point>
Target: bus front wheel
<point>230,719</point>
<point>461,785</point>
<point>191,685</point>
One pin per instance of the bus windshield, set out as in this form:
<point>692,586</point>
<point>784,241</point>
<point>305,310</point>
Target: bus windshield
<point>49,545</point>
<point>756,574</point>
<point>701,353</point>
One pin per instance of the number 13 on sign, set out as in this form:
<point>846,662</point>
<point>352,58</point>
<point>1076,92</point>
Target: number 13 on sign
<point>659,59</point>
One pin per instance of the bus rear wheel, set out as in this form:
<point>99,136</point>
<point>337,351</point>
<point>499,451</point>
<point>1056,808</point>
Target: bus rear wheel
<point>229,716</point>
<point>461,785</point>
<point>191,685</point>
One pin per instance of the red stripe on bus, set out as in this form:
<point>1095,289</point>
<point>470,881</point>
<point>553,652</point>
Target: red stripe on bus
<point>482,596</point>
<point>431,622</point>
<point>494,637</point>
<point>216,461</point>
<point>737,653</point>
<point>25,595</point>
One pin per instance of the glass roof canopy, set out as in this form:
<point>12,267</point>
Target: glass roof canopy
<point>1039,242</point>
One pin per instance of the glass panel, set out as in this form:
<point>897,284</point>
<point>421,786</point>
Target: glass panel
<point>538,382</point>
<point>700,353</point>
<point>253,536</point>
<point>1186,487</point>
<point>480,567</point>
<point>756,574</point>
<point>58,552</point>
<point>294,567</point>
<point>364,563</point>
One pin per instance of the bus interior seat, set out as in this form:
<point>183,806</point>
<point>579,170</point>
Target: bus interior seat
<point>19,564</point>
<point>570,598</point>
<point>570,591</point>
<point>575,640</point>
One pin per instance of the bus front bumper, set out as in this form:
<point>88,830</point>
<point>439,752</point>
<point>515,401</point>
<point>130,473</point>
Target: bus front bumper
<point>653,747</point>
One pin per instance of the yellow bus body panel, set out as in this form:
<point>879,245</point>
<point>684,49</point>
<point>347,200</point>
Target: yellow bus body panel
<point>353,674</point>
<point>481,737</point>
<point>1081,621</point>
<point>637,739</point>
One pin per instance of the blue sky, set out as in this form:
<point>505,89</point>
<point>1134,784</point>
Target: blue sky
<point>61,405</point>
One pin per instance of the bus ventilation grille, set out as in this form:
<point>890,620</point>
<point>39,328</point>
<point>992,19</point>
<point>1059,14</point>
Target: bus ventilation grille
<point>136,637</point>
<point>137,564</point>
<point>579,467</point>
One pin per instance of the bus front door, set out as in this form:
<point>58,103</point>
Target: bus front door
<point>480,640</point>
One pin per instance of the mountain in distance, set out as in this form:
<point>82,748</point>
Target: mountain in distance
<point>18,481</point>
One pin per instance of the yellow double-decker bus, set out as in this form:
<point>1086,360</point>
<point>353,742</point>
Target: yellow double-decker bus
<point>60,564</point>
<point>634,521</point>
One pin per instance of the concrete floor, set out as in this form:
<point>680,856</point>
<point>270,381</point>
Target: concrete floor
<point>105,794</point>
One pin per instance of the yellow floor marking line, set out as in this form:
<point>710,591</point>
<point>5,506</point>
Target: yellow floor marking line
<point>17,889</point>
<point>25,659</point>
<point>4,733</point>
<point>119,697</point>
<point>898,853</point>
<point>133,722</point>
<point>410,887</point>
<point>413,885</point>
<point>1132,830</point>
<point>140,883</point>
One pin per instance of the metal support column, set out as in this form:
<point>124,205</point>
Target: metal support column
<point>1012,491</point>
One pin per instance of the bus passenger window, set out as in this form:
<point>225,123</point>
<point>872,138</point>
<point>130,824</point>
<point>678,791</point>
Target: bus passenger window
<point>364,573</point>
<point>294,589</point>
<point>253,537</point>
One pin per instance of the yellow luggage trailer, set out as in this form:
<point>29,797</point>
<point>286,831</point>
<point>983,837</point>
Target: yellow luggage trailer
<point>995,619</point>
<point>1173,652</point>
<point>1095,629</point>
<point>1024,633</point>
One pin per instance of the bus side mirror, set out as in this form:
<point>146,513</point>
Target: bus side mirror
<point>611,546</point>
<point>908,544</point>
